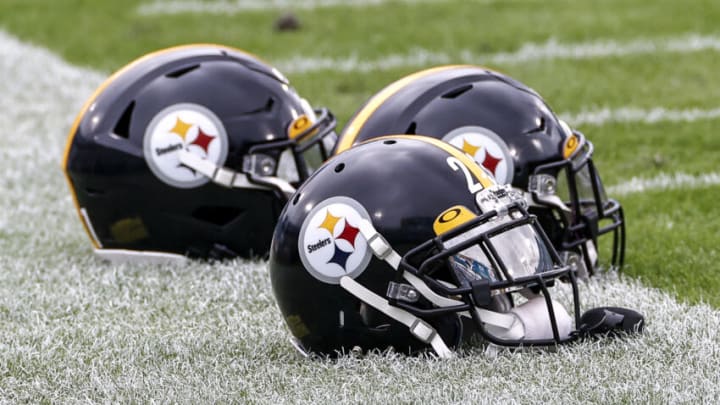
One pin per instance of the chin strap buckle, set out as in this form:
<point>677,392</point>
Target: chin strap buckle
<point>423,331</point>
<point>224,177</point>
<point>379,245</point>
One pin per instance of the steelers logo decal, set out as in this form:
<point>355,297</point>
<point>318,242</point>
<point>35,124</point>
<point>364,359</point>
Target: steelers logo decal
<point>486,148</point>
<point>330,242</point>
<point>184,126</point>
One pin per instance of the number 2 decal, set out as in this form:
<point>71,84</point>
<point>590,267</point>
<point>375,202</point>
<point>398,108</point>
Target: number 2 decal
<point>456,165</point>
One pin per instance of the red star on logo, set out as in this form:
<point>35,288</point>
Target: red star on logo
<point>491,162</point>
<point>349,233</point>
<point>202,140</point>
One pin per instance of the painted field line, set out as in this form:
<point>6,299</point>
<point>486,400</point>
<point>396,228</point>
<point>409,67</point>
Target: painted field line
<point>529,52</point>
<point>653,115</point>
<point>631,114</point>
<point>40,94</point>
<point>162,7</point>
<point>665,181</point>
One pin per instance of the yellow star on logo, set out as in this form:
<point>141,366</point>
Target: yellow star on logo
<point>329,222</point>
<point>469,148</point>
<point>181,128</point>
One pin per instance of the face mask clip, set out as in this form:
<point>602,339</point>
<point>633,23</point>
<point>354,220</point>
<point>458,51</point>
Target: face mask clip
<point>481,292</point>
<point>542,184</point>
<point>402,292</point>
<point>259,164</point>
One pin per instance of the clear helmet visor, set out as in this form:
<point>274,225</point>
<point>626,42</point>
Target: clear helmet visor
<point>518,252</point>
<point>581,172</point>
<point>313,157</point>
<point>314,138</point>
<point>315,151</point>
<point>523,254</point>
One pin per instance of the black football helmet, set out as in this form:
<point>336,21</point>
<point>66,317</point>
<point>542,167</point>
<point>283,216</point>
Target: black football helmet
<point>508,129</point>
<point>191,151</point>
<point>405,242</point>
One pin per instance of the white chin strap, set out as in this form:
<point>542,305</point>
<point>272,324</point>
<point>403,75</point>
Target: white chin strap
<point>229,178</point>
<point>422,330</point>
<point>514,325</point>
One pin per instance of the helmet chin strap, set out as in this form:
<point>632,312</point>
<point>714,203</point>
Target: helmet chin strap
<point>422,330</point>
<point>503,325</point>
<point>230,178</point>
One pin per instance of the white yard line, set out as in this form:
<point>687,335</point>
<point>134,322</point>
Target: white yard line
<point>665,181</point>
<point>40,94</point>
<point>161,7</point>
<point>37,81</point>
<point>526,53</point>
<point>631,114</point>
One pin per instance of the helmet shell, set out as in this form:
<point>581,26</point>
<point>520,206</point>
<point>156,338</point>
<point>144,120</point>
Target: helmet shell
<point>399,184</point>
<point>122,200</point>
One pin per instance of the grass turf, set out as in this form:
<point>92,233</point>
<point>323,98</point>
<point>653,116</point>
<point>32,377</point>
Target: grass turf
<point>78,330</point>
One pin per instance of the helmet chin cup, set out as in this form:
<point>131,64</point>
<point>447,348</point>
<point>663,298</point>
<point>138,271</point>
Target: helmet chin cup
<point>610,322</point>
<point>535,318</point>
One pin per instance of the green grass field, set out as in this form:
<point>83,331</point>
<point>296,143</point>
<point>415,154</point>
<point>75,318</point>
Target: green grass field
<point>639,78</point>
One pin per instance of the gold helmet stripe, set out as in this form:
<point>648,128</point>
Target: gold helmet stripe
<point>480,175</point>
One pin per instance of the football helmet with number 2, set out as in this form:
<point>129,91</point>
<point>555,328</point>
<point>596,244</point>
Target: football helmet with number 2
<point>405,242</point>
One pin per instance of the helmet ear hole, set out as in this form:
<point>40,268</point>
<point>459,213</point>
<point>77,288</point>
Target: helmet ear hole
<point>390,142</point>
<point>339,167</point>
<point>296,199</point>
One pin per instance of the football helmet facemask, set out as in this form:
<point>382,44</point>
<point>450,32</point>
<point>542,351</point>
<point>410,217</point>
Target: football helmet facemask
<point>191,151</point>
<point>509,130</point>
<point>405,242</point>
